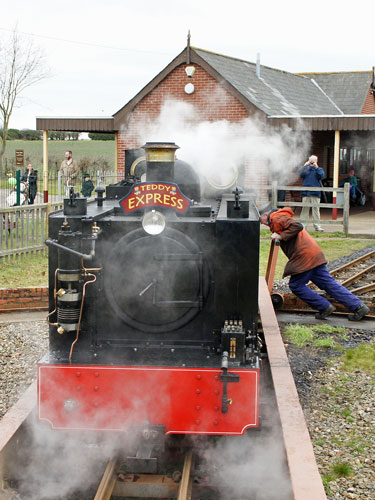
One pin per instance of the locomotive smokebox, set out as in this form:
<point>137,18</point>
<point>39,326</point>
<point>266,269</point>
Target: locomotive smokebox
<point>160,157</point>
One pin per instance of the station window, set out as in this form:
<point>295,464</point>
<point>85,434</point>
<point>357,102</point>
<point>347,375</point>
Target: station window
<point>343,165</point>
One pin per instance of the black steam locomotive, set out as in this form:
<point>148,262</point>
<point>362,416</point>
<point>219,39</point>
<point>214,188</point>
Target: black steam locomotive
<point>154,303</point>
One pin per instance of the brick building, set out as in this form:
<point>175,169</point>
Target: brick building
<point>335,110</point>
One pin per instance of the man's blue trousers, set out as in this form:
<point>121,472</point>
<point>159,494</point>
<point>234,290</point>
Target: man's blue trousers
<point>322,279</point>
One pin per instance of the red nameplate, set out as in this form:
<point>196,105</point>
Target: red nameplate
<point>155,194</point>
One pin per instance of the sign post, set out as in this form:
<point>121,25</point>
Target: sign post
<point>20,157</point>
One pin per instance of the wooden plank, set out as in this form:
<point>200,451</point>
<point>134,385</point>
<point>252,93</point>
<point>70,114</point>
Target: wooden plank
<point>27,227</point>
<point>44,215</point>
<point>18,251</point>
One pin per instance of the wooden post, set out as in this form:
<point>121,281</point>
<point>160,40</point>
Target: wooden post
<point>116,158</point>
<point>271,265</point>
<point>336,163</point>
<point>346,208</point>
<point>45,166</point>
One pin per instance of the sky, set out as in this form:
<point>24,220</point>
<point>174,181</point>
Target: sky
<point>100,54</point>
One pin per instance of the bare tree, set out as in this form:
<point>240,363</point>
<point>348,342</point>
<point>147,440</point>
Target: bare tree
<point>21,65</point>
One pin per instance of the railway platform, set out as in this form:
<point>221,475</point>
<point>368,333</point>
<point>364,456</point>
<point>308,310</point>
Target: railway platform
<point>361,221</point>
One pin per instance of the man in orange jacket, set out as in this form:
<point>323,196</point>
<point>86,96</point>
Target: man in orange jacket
<point>307,263</point>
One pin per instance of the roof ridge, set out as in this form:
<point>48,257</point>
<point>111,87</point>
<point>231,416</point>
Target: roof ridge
<point>247,62</point>
<point>332,72</point>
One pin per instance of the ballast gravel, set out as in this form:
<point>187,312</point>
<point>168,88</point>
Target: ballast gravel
<point>339,408</point>
<point>21,347</point>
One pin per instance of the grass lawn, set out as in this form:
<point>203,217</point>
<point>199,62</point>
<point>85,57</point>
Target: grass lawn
<point>33,270</point>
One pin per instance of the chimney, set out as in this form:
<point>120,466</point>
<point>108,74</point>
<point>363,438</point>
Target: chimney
<point>160,157</point>
<point>257,71</point>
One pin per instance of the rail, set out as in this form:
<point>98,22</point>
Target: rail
<point>24,229</point>
<point>342,196</point>
<point>179,486</point>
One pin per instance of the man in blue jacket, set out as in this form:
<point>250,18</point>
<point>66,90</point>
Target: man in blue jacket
<point>311,174</point>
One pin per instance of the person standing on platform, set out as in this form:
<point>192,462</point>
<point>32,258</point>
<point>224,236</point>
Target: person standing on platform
<point>30,178</point>
<point>69,172</point>
<point>311,174</point>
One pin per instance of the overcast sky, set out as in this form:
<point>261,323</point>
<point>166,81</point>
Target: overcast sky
<point>102,53</point>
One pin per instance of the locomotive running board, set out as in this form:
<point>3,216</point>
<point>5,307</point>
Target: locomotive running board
<point>304,475</point>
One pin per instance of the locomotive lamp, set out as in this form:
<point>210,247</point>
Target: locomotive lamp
<point>153,222</point>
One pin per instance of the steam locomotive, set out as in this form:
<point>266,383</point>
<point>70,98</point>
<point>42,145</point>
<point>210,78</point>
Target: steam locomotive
<point>153,296</point>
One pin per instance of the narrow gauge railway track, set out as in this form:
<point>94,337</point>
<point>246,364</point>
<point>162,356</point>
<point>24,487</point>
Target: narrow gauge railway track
<point>357,275</point>
<point>179,485</point>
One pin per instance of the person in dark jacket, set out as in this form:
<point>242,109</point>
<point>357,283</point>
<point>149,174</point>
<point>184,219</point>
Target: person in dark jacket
<point>307,263</point>
<point>311,174</point>
<point>30,178</point>
<point>87,186</point>
<point>352,179</point>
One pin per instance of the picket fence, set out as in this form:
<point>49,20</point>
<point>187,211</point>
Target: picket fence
<point>24,229</point>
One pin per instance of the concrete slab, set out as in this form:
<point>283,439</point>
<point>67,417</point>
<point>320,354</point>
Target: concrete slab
<point>284,317</point>
<point>361,222</point>
<point>21,316</point>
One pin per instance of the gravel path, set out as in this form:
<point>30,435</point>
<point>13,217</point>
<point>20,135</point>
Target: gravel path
<point>21,347</point>
<point>339,407</point>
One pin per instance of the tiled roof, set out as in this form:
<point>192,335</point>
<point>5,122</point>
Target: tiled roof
<point>347,90</point>
<point>277,92</point>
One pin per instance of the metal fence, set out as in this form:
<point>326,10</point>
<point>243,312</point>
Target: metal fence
<point>24,229</point>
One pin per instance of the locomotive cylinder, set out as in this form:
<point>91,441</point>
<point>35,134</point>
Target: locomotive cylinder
<point>68,275</point>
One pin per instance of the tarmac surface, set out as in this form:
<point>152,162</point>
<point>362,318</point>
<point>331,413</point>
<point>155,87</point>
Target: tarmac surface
<point>22,316</point>
<point>285,317</point>
<point>361,221</point>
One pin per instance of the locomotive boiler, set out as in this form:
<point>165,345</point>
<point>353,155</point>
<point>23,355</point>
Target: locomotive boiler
<point>153,296</point>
